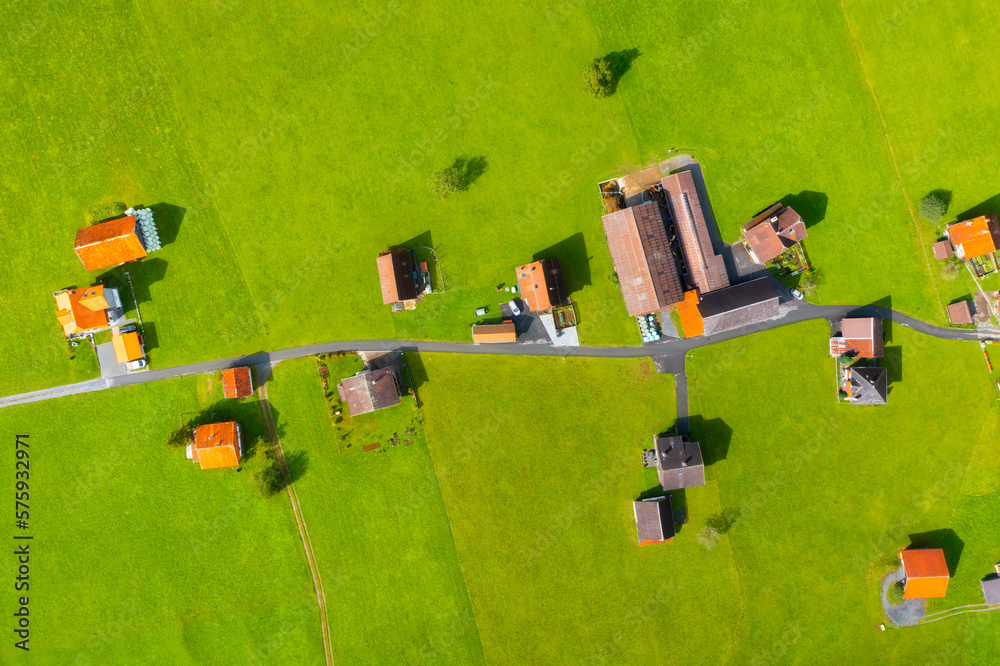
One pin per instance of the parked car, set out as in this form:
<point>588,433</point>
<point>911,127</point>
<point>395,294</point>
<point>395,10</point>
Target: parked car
<point>135,365</point>
<point>481,311</point>
<point>797,294</point>
<point>126,329</point>
<point>514,310</point>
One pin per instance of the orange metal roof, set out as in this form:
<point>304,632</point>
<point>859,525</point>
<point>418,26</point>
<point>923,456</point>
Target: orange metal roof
<point>217,445</point>
<point>127,347</point>
<point>690,316</point>
<point>494,333</point>
<point>976,237</point>
<point>926,573</point>
<point>236,382</point>
<point>109,244</point>
<point>76,309</point>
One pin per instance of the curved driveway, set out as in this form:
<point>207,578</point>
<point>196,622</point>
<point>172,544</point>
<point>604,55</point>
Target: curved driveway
<point>792,313</point>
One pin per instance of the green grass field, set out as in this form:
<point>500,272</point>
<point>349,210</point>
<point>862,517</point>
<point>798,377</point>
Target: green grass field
<point>289,145</point>
<point>826,492</point>
<point>394,587</point>
<point>140,556</point>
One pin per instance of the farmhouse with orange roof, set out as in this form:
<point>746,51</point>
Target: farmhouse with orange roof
<point>975,238</point>
<point>216,445</point>
<point>87,310</point>
<point>237,382</point>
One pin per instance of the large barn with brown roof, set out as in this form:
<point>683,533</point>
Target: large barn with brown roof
<point>739,305</point>
<point>707,270</point>
<point>648,271</point>
<point>541,285</point>
<point>395,276</point>
<point>772,231</point>
<point>109,244</point>
<point>369,390</point>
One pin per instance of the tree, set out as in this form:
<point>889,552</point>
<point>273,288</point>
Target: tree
<point>894,595</point>
<point>932,207</point>
<point>598,79</point>
<point>951,268</point>
<point>446,182</point>
<point>846,360</point>
<point>708,536</point>
<point>269,480</point>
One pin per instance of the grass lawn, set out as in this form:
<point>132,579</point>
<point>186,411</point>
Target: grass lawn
<point>539,462</point>
<point>379,529</point>
<point>825,492</point>
<point>140,556</point>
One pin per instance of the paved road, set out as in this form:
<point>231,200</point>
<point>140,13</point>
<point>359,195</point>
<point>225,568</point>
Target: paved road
<point>792,313</point>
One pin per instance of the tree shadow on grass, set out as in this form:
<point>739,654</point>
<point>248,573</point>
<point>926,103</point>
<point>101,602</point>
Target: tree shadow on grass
<point>620,63</point>
<point>469,170</point>
<point>946,540</point>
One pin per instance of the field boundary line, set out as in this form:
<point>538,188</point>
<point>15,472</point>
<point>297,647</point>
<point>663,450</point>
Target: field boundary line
<point>265,407</point>
<point>888,142</point>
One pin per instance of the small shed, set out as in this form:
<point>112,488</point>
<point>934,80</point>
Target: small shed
<point>959,313</point>
<point>926,572</point>
<point>991,590</point>
<point>654,520</point>
<point>942,250</point>
<point>488,333</point>
<point>237,383</point>
<point>127,347</point>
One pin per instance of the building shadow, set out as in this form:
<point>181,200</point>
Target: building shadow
<point>149,337</point>
<point>144,274</point>
<point>946,540</point>
<point>415,370</point>
<point>811,206</point>
<point>714,435</point>
<point>167,218</point>
<point>620,62</point>
<point>892,361</point>
<point>422,240</point>
<point>679,503</point>
<point>991,205</point>
<point>574,260</point>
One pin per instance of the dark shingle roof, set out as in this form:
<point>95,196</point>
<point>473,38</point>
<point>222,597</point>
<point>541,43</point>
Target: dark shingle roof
<point>369,390</point>
<point>991,590</point>
<point>679,463</point>
<point>739,305</point>
<point>654,519</point>
<point>869,386</point>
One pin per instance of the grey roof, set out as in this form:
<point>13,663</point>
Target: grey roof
<point>678,463</point>
<point>739,305</point>
<point>654,519</point>
<point>869,386</point>
<point>991,590</point>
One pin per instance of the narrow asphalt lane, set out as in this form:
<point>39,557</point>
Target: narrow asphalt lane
<point>792,313</point>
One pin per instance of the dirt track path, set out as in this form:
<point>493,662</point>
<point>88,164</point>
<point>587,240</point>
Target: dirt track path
<point>265,407</point>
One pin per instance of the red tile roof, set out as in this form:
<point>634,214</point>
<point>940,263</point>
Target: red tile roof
<point>959,313</point>
<point>217,445</point>
<point>109,244</point>
<point>942,250</point>
<point>707,269</point>
<point>974,238</point>
<point>236,382</point>
<point>395,275</point>
<point>926,573</point>
<point>541,285</point>
<point>641,252</point>
<point>860,337</point>
<point>772,231</point>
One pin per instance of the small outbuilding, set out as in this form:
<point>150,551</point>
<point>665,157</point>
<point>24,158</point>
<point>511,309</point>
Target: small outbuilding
<point>991,589</point>
<point>858,337</point>
<point>942,250</point>
<point>926,573</point>
<point>654,520</point>
<point>369,390</point>
<point>237,382</point>
<point>128,347</point>
<point>492,333</point>
<point>216,445</point>
<point>959,313</point>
